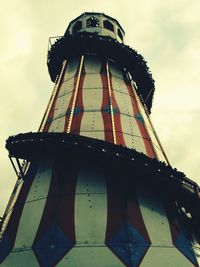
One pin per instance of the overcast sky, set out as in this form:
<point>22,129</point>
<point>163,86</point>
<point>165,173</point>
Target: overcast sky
<point>166,33</point>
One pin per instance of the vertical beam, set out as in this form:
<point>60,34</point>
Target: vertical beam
<point>111,105</point>
<point>9,207</point>
<point>75,95</point>
<point>14,167</point>
<point>154,131</point>
<point>52,98</point>
<point>20,169</point>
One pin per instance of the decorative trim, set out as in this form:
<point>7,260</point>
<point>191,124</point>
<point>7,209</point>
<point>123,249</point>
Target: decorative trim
<point>75,95</point>
<point>111,105</point>
<point>84,42</point>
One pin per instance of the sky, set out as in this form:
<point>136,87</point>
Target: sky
<point>166,33</point>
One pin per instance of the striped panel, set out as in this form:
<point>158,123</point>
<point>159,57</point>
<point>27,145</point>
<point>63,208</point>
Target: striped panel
<point>64,97</point>
<point>79,106</point>
<point>140,121</point>
<point>52,103</point>
<point>157,225</point>
<point>71,99</point>
<point>71,69</point>
<point>181,236</point>
<point>92,122</point>
<point>90,206</point>
<point>58,121</point>
<point>130,129</point>
<point>11,230</point>
<point>105,106</point>
<point>30,217</point>
<point>126,234</point>
<point>56,233</point>
<point>149,129</point>
<point>117,115</point>
<point>67,85</point>
<point>90,221</point>
<point>34,206</point>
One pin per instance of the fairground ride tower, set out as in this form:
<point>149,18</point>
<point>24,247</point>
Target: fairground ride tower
<point>95,188</point>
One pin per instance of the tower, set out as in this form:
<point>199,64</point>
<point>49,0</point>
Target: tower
<point>95,187</point>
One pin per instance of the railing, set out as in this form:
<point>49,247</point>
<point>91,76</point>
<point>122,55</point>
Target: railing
<point>149,126</point>
<point>52,98</point>
<point>9,207</point>
<point>52,41</point>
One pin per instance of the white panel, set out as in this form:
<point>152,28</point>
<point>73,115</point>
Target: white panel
<point>165,257</point>
<point>34,206</point>
<point>132,133</point>
<point>92,64</point>
<point>90,256</point>
<point>157,225</point>
<point>92,99</point>
<point>57,125</point>
<point>61,106</point>
<point>92,121</point>
<point>66,87</point>
<point>91,180</point>
<point>90,207</point>
<point>72,66</point>
<point>60,110</point>
<point>115,70</point>
<point>90,222</point>
<point>155,218</point>
<point>133,137</point>
<point>124,103</point>
<point>92,81</point>
<point>96,135</point>
<point>92,125</point>
<point>119,86</point>
<point>89,64</point>
<point>21,258</point>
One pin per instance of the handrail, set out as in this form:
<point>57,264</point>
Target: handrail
<point>52,99</point>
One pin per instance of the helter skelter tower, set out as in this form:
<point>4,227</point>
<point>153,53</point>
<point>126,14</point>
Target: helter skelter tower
<point>95,188</point>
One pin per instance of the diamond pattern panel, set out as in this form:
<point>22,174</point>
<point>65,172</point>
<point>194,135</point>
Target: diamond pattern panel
<point>129,245</point>
<point>5,248</point>
<point>52,247</point>
<point>183,244</point>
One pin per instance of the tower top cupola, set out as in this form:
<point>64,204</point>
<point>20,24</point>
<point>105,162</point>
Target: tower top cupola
<point>99,23</point>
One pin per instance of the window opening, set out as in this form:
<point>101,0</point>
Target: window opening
<point>120,34</point>
<point>92,22</point>
<point>108,25</point>
<point>77,27</point>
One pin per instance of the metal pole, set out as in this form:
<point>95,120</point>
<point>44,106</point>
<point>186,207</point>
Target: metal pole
<point>111,105</point>
<point>52,98</point>
<point>75,95</point>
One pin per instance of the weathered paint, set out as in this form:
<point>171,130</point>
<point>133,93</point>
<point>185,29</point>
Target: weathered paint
<point>92,115</point>
<point>92,121</point>
<point>72,212</point>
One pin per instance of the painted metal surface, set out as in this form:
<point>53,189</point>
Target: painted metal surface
<point>96,99</point>
<point>81,211</point>
<point>77,212</point>
<point>92,121</point>
<point>33,207</point>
